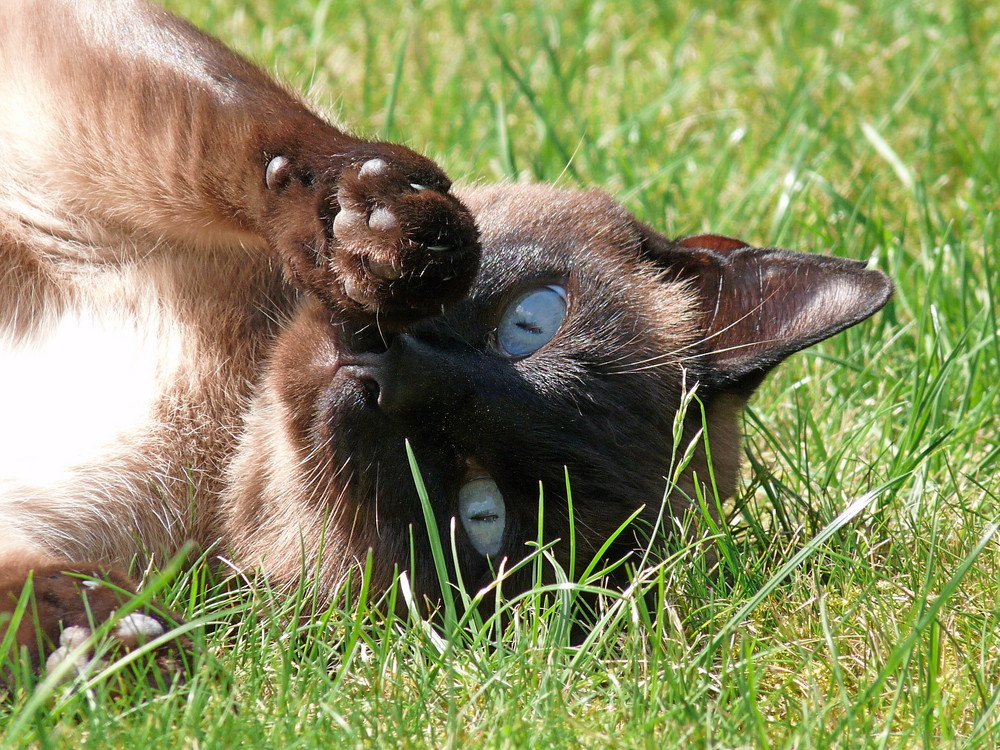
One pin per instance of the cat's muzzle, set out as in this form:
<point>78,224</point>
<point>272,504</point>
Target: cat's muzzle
<point>425,384</point>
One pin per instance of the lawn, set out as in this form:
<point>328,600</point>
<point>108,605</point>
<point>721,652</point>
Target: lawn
<point>858,604</point>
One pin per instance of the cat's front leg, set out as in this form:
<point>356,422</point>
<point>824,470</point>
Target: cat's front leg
<point>66,604</point>
<point>373,231</point>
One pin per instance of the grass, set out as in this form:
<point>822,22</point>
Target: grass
<point>860,603</point>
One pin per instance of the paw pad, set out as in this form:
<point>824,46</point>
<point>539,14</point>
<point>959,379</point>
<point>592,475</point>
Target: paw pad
<point>385,271</point>
<point>137,628</point>
<point>278,170</point>
<point>70,641</point>
<point>131,631</point>
<point>383,220</point>
<point>373,168</point>
<point>375,237</point>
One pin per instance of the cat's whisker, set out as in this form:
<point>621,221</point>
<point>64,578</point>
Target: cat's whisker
<point>751,311</point>
<point>671,357</point>
<point>656,361</point>
<point>692,357</point>
<point>673,353</point>
<point>337,507</point>
<point>737,347</point>
<point>314,472</point>
<point>579,522</point>
<point>627,349</point>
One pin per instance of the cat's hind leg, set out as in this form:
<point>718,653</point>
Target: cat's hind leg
<point>67,619</point>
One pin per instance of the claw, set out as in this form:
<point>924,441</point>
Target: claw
<point>384,270</point>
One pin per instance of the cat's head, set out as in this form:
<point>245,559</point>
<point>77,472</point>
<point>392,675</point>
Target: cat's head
<point>569,358</point>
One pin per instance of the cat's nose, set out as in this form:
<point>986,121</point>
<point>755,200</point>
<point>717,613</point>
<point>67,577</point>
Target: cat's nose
<point>415,375</point>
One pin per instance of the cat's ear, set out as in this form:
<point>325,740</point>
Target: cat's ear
<point>759,305</point>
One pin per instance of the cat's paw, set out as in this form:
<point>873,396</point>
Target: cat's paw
<point>81,652</point>
<point>380,238</point>
<point>78,621</point>
<point>403,249</point>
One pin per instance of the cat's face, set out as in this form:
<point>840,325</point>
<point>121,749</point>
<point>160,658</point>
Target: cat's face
<point>568,358</point>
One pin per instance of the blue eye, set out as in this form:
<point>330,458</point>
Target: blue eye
<point>532,320</point>
<point>484,514</point>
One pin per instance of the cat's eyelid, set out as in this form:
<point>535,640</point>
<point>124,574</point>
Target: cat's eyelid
<point>559,289</point>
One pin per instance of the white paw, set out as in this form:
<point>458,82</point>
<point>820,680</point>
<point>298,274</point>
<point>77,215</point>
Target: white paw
<point>70,641</point>
<point>131,631</point>
<point>373,168</point>
<point>137,628</point>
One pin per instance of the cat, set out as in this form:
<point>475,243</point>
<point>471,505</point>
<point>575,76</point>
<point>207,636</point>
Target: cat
<point>225,320</point>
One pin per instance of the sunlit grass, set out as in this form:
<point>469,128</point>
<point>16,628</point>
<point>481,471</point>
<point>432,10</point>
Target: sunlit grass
<point>864,130</point>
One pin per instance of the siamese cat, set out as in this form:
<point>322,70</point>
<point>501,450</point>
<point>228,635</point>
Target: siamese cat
<point>222,320</point>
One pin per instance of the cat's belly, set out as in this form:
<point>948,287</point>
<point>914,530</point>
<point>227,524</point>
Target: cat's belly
<point>73,392</point>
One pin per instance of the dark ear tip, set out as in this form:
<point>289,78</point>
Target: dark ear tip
<point>885,286</point>
<point>879,289</point>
